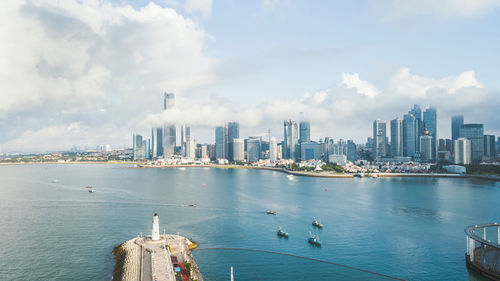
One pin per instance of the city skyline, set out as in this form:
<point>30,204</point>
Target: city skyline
<point>340,83</point>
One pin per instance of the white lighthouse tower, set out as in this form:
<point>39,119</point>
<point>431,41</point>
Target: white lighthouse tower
<point>155,236</point>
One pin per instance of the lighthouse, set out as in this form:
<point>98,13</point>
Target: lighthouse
<point>155,236</point>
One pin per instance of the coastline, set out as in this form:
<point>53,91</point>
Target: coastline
<point>281,170</point>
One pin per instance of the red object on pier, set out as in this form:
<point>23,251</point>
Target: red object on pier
<point>183,272</point>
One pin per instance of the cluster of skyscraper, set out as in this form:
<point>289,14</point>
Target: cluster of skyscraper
<point>414,137</point>
<point>164,139</point>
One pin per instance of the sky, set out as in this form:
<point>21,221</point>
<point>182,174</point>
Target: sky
<point>93,72</point>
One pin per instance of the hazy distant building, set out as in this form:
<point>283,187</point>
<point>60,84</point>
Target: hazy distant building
<point>456,122</point>
<point>462,151</point>
<point>305,132</point>
<point>352,151</point>
<point>379,139</point>
<point>290,141</point>
<point>168,100</point>
<point>397,137</point>
<point>410,135</point>
<point>190,149</point>
<point>157,142</point>
<point>238,150</point>
<point>273,150</point>
<point>309,151</point>
<point>337,159</point>
<point>474,133</point>
<point>426,147</point>
<point>185,138</point>
<point>430,124</point>
<point>220,142</point>
<point>489,147</point>
<point>137,147</point>
<point>169,130</point>
<point>254,149</point>
<point>233,132</point>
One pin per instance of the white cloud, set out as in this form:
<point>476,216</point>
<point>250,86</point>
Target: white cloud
<point>352,81</point>
<point>204,7</point>
<point>395,10</point>
<point>269,6</point>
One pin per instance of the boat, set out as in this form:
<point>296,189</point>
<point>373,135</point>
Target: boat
<point>192,205</point>
<point>359,175</point>
<point>55,181</point>
<point>89,186</point>
<point>91,191</point>
<point>290,177</point>
<point>373,176</point>
<point>282,233</point>
<point>314,240</point>
<point>269,212</point>
<point>316,223</point>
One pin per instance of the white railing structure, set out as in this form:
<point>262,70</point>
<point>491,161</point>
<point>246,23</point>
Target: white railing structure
<point>483,249</point>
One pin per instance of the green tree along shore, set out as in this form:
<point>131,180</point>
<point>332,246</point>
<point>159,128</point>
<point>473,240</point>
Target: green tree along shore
<point>483,169</point>
<point>325,167</point>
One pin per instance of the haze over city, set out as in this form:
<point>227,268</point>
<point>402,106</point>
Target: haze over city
<point>94,72</point>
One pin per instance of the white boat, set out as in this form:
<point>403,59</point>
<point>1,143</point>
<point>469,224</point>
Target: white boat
<point>290,177</point>
<point>91,191</point>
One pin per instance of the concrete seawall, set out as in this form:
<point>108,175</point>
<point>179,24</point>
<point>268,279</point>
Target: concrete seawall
<point>127,261</point>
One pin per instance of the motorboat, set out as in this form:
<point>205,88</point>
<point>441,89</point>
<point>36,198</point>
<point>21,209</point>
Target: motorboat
<point>56,181</point>
<point>269,212</point>
<point>359,175</point>
<point>282,233</point>
<point>192,205</point>
<point>91,191</point>
<point>314,240</point>
<point>316,223</point>
<point>89,187</point>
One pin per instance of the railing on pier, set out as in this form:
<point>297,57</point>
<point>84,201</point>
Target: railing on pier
<point>483,249</point>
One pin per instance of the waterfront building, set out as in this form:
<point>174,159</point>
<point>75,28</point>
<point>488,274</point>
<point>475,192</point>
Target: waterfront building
<point>379,139</point>
<point>169,138</point>
<point>417,112</point>
<point>462,151</point>
<point>220,142</point>
<point>157,142</point>
<point>352,151</point>
<point>337,159</point>
<point>397,137</point>
<point>233,132</point>
<point>254,149</point>
<point>211,151</point>
<point>498,146</point>
<point>279,151</point>
<point>305,132</point>
<point>191,149</point>
<point>489,147</point>
<point>290,141</point>
<point>185,138</point>
<point>273,150</point>
<point>137,147</point>
<point>410,135</point>
<point>309,151</point>
<point>430,124</point>
<point>238,150</point>
<point>474,133</point>
<point>426,147</point>
<point>456,122</point>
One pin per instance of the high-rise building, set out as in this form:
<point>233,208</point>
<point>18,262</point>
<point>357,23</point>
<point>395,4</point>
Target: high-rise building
<point>462,151</point>
<point>379,139</point>
<point>305,132</point>
<point>190,149</point>
<point>430,124</point>
<point>157,142</point>
<point>137,147</point>
<point>426,146</point>
<point>220,142</point>
<point>290,141</point>
<point>168,100</point>
<point>352,151</point>
<point>456,122</point>
<point>309,151</point>
<point>474,133</point>
<point>410,135</point>
<point>238,150</point>
<point>185,138</point>
<point>273,150</point>
<point>254,149</point>
<point>233,132</point>
<point>397,137</point>
<point>489,147</point>
<point>417,112</point>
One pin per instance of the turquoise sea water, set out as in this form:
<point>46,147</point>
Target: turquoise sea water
<point>410,228</point>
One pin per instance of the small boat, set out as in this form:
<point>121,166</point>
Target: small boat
<point>192,205</point>
<point>290,177</point>
<point>359,175</point>
<point>89,187</point>
<point>91,191</point>
<point>271,212</point>
<point>282,233</point>
<point>316,223</point>
<point>314,240</point>
<point>55,181</point>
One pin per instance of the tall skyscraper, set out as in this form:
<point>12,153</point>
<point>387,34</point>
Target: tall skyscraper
<point>474,133</point>
<point>238,150</point>
<point>379,139</point>
<point>137,147</point>
<point>309,151</point>
<point>305,132</point>
<point>190,149</point>
<point>426,146</point>
<point>456,122</point>
<point>397,137</point>
<point>254,149</point>
<point>462,151</point>
<point>233,132</point>
<point>417,112</point>
<point>220,142</point>
<point>430,123</point>
<point>185,138</point>
<point>489,147</point>
<point>273,149</point>
<point>168,100</point>
<point>410,135</point>
<point>157,142</point>
<point>290,141</point>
